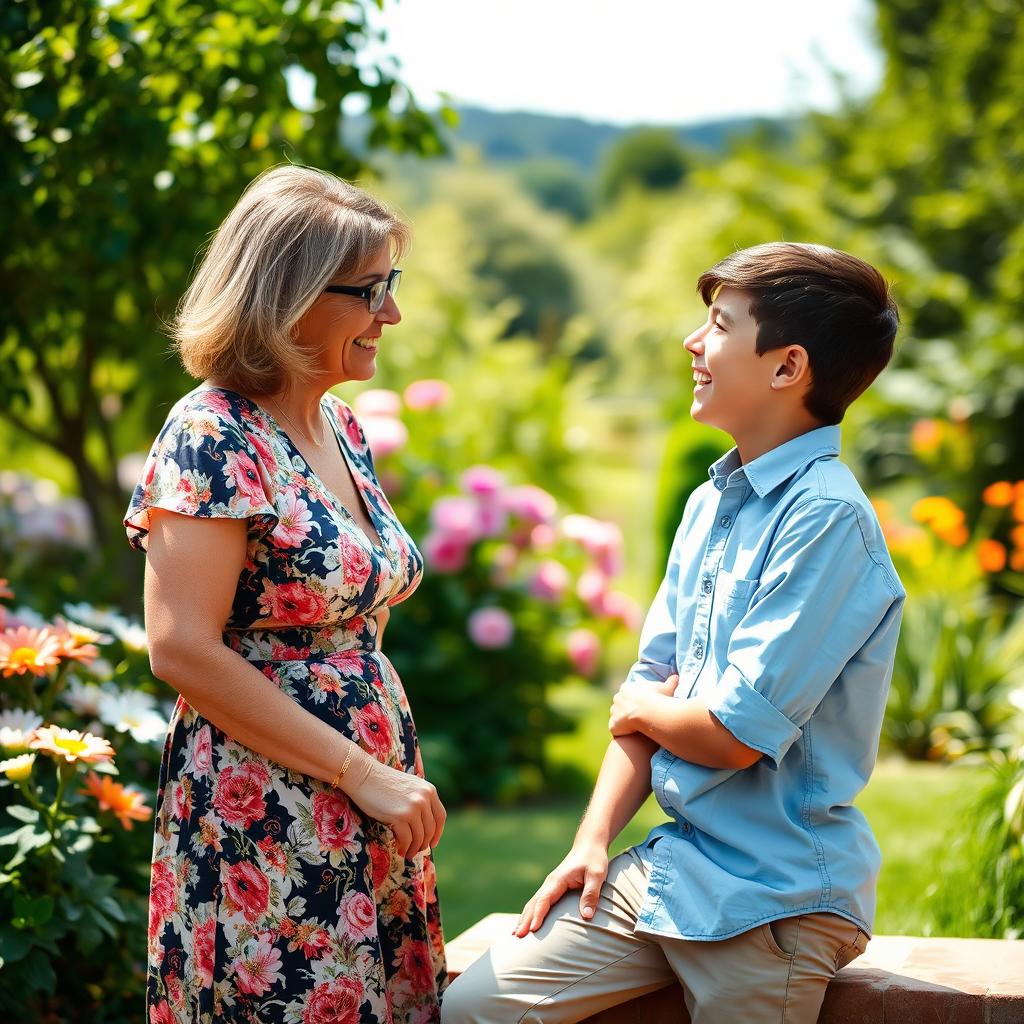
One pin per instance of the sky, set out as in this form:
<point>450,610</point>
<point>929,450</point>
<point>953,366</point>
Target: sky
<point>643,61</point>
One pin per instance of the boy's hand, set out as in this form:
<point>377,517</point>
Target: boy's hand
<point>633,702</point>
<point>585,866</point>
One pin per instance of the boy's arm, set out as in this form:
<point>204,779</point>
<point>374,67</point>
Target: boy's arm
<point>625,777</point>
<point>822,598</point>
<point>623,784</point>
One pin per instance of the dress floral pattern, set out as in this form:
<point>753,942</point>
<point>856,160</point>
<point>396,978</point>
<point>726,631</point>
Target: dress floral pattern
<point>274,899</point>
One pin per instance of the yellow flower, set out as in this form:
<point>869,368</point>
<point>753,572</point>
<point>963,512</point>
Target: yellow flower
<point>71,745</point>
<point>25,649</point>
<point>127,804</point>
<point>19,768</point>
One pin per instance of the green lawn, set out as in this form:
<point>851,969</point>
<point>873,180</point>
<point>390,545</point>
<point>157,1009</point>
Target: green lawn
<point>493,859</point>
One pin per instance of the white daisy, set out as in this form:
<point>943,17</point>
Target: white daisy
<point>15,726</point>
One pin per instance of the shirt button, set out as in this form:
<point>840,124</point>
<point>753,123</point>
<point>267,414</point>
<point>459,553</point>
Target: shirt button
<point>725,522</point>
<point>687,828</point>
<point>708,585</point>
<point>698,651</point>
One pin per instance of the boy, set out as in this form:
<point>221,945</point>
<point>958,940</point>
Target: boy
<point>755,707</point>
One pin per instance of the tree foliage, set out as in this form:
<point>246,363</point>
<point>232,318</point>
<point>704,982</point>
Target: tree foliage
<point>129,129</point>
<point>648,158</point>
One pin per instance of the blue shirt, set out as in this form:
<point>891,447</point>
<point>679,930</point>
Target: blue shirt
<point>780,609</point>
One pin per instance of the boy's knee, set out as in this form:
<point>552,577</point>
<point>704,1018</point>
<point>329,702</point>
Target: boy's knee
<point>462,1004</point>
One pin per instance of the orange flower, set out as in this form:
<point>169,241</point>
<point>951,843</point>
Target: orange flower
<point>127,804</point>
<point>1017,536</point>
<point>25,649</point>
<point>1017,561</point>
<point>5,591</point>
<point>999,494</point>
<point>955,534</point>
<point>77,642</point>
<point>926,436</point>
<point>991,556</point>
<point>71,745</point>
<point>1018,509</point>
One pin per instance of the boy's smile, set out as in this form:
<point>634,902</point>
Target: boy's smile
<point>731,381</point>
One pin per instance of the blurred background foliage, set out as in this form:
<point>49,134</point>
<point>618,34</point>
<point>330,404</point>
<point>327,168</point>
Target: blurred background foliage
<point>550,286</point>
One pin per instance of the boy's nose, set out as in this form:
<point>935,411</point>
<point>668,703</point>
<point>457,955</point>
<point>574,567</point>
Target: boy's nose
<point>695,342</point>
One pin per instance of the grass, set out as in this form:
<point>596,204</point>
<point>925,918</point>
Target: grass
<point>493,859</point>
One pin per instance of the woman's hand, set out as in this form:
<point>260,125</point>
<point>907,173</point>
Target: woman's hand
<point>585,867</point>
<point>406,803</point>
<point>634,702</point>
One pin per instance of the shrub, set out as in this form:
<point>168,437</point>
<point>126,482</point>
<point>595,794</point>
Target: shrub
<point>73,871</point>
<point>515,597</point>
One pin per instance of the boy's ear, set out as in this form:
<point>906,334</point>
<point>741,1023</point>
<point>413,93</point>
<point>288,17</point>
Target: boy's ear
<point>793,368</point>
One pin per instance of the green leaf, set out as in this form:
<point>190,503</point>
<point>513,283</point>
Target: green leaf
<point>14,944</point>
<point>22,813</point>
<point>111,908</point>
<point>37,972</point>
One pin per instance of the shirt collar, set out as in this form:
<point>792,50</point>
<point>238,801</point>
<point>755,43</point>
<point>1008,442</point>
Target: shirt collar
<point>775,467</point>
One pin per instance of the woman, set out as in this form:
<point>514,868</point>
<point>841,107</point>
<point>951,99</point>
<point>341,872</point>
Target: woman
<point>292,879</point>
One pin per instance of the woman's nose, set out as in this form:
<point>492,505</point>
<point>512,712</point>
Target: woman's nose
<point>389,313</point>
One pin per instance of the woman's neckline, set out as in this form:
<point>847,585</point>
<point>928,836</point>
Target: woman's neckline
<point>342,443</point>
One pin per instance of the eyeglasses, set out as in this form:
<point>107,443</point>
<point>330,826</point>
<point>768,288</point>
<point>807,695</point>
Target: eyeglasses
<point>375,293</point>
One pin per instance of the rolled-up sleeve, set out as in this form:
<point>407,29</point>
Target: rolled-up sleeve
<point>821,597</point>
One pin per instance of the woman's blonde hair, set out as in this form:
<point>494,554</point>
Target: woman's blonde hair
<point>292,231</point>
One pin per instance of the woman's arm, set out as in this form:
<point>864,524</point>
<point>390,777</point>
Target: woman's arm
<point>192,572</point>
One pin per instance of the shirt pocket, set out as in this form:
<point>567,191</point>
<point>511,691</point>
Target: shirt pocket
<point>732,595</point>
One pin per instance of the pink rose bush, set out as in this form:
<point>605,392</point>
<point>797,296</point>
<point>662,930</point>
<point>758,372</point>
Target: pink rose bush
<point>518,594</point>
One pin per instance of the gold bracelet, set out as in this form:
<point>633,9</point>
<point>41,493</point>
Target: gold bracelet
<point>336,781</point>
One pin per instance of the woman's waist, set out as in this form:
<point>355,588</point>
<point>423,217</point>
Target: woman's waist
<point>300,643</point>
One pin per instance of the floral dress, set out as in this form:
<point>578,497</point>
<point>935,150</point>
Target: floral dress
<point>274,899</point>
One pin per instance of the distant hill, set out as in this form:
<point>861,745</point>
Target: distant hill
<point>517,136</point>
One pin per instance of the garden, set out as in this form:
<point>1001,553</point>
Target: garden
<point>528,423</point>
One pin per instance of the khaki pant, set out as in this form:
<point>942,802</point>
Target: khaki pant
<point>571,968</point>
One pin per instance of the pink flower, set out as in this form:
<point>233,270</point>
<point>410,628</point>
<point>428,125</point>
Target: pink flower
<point>266,454</point>
<point>492,518</point>
<point>374,730</point>
<point>334,1002</point>
<point>591,588</point>
<point>444,553</point>
<point>295,519</point>
<point>358,914</point>
<point>601,540</point>
<point>503,561</point>
<point>238,796</point>
<point>161,1013</point>
<point>378,402</point>
<point>543,536</point>
<point>203,937</point>
<point>163,895</point>
<point>584,650</point>
<point>334,821</point>
<point>181,800</point>
<point>293,603</point>
<point>531,504</point>
<point>483,481</point>
<point>200,755</point>
<point>355,561</point>
<point>385,435</point>
<point>617,605</point>
<point>248,888</point>
<point>458,518</point>
<point>258,968</point>
<point>347,662</point>
<point>426,394</point>
<point>550,581</point>
<point>491,628</point>
<point>241,473</point>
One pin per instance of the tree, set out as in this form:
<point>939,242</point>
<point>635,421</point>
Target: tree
<point>129,129</point>
<point>649,158</point>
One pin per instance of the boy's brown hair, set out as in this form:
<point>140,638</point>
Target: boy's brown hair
<point>834,305</point>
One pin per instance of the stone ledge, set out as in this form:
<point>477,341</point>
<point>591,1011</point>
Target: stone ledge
<point>901,979</point>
